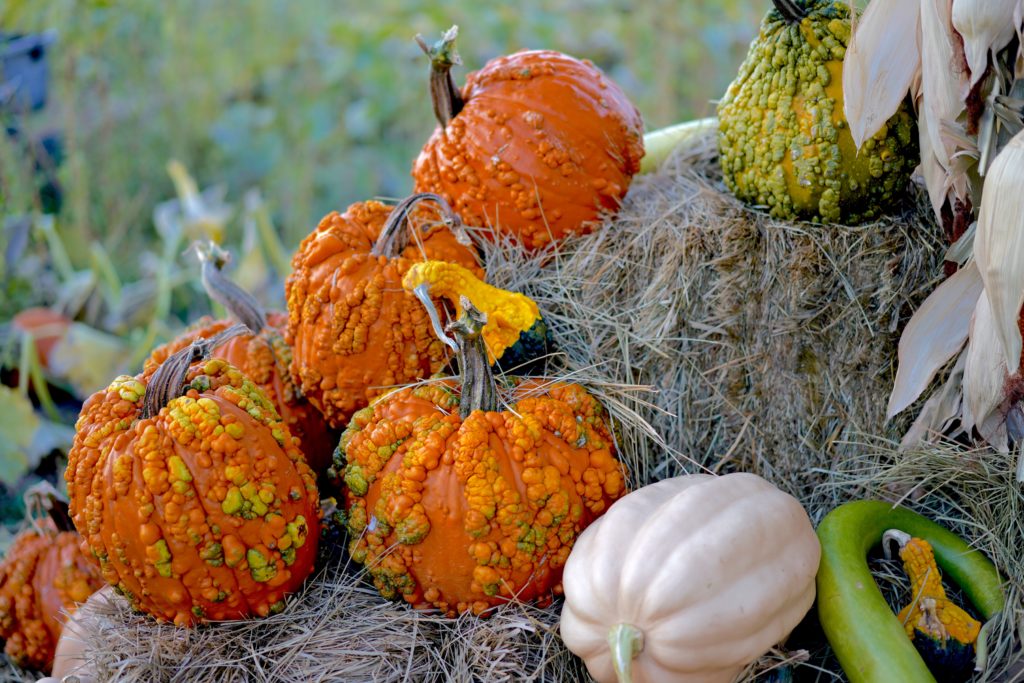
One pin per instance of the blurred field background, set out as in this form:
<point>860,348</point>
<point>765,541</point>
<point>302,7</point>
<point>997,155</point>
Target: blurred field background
<point>290,108</point>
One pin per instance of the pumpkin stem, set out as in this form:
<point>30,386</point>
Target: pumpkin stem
<point>393,239</point>
<point>790,10</point>
<point>478,390</point>
<point>166,383</point>
<point>626,642</point>
<point>239,303</point>
<point>44,497</point>
<point>444,94</point>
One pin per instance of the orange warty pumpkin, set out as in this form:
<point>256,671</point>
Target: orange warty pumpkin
<point>43,573</point>
<point>455,504</point>
<point>191,493</point>
<point>263,357</point>
<point>354,331</point>
<point>536,145</point>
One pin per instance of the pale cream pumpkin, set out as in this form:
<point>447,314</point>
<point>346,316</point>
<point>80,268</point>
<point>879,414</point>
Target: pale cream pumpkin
<point>688,580</point>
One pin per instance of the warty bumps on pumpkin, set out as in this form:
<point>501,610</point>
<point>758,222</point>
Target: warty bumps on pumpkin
<point>43,573</point>
<point>457,504</point>
<point>265,359</point>
<point>354,331</point>
<point>536,145</point>
<point>783,137</point>
<point>202,509</point>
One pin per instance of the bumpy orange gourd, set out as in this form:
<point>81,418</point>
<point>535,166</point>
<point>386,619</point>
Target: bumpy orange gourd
<point>354,331</point>
<point>265,359</point>
<point>201,509</point>
<point>537,145</point>
<point>455,504</point>
<point>43,573</point>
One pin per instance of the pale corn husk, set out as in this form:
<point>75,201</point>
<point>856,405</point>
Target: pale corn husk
<point>986,26</point>
<point>941,86</point>
<point>935,333</point>
<point>985,379</point>
<point>881,61</point>
<point>940,412</point>
<point>999,247</point>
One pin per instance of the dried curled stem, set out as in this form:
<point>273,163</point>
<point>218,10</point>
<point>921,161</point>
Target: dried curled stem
<point>166,383</point>
<point>239,303</point>
<point>444,95</point>
<point>394,239</point>
<point>478,389</point>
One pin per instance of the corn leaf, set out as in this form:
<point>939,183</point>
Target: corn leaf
<point>937,330</point>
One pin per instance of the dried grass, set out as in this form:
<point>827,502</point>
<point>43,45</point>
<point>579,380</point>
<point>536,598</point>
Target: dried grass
<point>721,340</point>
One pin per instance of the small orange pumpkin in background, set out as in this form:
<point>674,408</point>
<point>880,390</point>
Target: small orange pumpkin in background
<point>456,504</point>
<point>537,145</point>
<point>43,573</point>
<point>191,493</point>
<point>354,331</point>
<point>263,357</point>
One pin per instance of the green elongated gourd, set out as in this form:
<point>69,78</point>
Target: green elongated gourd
<point>868,639</point>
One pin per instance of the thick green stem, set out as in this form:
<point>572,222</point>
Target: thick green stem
<point>394,237</point>
<point>166,383</point>
<point>659,144</point>
<point>478,389</point>
<point>240,304</point>
<point>445,96</point>
<point>790,10</point>
<point>626,642</point>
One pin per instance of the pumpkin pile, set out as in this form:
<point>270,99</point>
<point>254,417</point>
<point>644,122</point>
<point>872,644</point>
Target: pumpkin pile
<point>464,484</point>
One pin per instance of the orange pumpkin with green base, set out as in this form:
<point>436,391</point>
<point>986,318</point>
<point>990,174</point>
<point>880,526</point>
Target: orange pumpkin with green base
<point>457,504</point>
<point>191,493</point>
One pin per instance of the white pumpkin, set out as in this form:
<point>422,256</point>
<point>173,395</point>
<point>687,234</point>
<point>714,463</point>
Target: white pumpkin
<point>689,580</point>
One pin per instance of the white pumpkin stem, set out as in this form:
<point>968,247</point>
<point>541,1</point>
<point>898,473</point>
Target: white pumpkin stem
<point>626,642</point>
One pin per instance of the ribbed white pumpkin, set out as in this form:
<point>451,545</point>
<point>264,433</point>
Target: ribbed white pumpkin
<point>689,580</point>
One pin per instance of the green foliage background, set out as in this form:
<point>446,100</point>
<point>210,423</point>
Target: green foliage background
<point>318,104</point>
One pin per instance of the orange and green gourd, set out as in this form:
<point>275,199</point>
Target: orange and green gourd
<point>456,504</point>
<point>354,331</point>
<point>783,137</point>
<point>261,354</point>
<point>43,573</point>
<point>191,493</point>
<point>537,145</point>
<point>942,631</point>
<point>515,334</point>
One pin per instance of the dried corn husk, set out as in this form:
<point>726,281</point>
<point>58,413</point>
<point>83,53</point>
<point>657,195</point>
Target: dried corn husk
<point>935,333</point>
<point>986,26</point>
<point>940,411</point>
<point>999,247</point>
<point>985,377</point>
<point>942,87</point>
<point>880,64</point>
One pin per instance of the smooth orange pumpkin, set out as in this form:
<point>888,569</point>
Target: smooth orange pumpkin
<point>536,145</point>
<point>43,573</point>
<point>354,331</point>
<point>191,493</point>
<point>458,505</point>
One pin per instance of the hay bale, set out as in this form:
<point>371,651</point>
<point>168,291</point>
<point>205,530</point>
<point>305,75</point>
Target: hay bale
<point>766,343</point>
<point>721,340</point>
